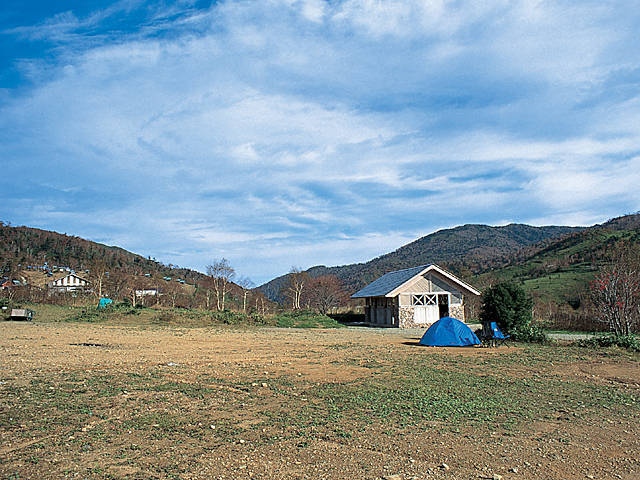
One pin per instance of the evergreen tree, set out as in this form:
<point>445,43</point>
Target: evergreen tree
<point>511,308</point>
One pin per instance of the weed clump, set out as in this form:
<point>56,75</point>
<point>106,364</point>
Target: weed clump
<point>628,342</point>
<point>95,315</point>
<point>305,319</point>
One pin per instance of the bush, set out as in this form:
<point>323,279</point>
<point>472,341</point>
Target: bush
<point>228,317</point>
<point>305,319</point>
<point>628,342</point>
<point>532,333</point>
<point>113,310</point>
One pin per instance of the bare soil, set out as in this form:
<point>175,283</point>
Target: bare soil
<point>100,401</point>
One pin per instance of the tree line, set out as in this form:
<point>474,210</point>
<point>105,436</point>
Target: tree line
<point>220,289</point>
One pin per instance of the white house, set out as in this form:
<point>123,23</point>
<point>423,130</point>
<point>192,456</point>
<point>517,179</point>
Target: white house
<point>69,283</point>
<point>415,297</point>
<point>147,292</point>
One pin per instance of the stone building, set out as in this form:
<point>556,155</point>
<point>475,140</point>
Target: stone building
<point>415,297</point>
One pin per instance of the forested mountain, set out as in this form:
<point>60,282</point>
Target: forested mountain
<point>464,250</point>
<point>24,247</point>
<point>555,263</point>
<point>560,271</point>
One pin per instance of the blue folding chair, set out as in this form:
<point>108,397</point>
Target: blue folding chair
<point>497,337</point>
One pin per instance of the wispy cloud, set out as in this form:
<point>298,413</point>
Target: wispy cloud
<point>284,133</point>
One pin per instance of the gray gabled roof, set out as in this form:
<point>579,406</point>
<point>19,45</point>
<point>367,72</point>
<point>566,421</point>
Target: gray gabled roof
<point>391,281</point>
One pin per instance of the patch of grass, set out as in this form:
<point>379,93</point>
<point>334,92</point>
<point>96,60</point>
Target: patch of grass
<point>227,317</point>
<point>159,424</point>
<point>46,313</point>
<point>111,312</point>
<point>560,285</point>
<point>187,389</point>
<point>124,314</point>
<point>415,395</point>
<point>305,319</point>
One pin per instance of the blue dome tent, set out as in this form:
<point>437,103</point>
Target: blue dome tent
<point>449,332</point>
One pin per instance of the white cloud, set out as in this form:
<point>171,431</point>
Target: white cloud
<point>298,132</point>
<point>401,18</point>
<point>572,185</point>
<point>314,10</point>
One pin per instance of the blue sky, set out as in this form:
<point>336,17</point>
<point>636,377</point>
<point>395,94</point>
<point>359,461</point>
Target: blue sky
<point>282,133</point>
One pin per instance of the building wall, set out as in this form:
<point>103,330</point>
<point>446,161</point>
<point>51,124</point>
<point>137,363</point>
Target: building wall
<point>406,311</point>
<point>406,317</point>
<point>381,312</point>
<point>69,283</point>
<point>457,311</point>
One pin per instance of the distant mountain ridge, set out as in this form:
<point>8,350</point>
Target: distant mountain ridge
<point>480,254</point>
<point>465,250</point>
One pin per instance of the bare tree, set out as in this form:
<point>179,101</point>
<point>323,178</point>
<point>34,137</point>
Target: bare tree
<point>171,292</point>
<point>99,276</point>
<point>131,292</point>
<point>246,285</point>
<point>261,302</point>
<point>295,287</point>
<point>118,285</point>
<point>205,290</point>
<point>222,274</point>
<point>325,293</point>
<point>615,292</point>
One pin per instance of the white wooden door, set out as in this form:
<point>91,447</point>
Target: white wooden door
<point>426,314</point>
<point>425,308</point>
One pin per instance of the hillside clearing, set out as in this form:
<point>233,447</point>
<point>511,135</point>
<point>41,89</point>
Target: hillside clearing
<point>101,401</point>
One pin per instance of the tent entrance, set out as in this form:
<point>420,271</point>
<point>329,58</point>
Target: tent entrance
<point>429,307</point>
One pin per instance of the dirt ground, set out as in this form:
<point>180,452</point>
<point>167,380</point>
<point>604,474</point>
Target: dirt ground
<point>98,401</point>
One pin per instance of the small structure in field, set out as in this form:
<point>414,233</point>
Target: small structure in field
<point>104,302</point>
<point>22,314</point>
<point>415,297</point>
<point>147,292</point>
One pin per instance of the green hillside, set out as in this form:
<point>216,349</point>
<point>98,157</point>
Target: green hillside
<point>555,264</point>
<point>561,271</point>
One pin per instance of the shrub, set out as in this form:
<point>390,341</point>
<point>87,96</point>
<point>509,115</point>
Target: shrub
<point>228,317</point>
<point>628,342</point>
<point>305,319</point>
<point>532,333</point>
